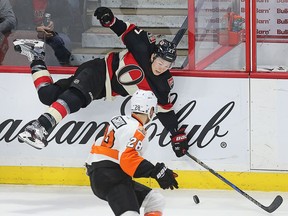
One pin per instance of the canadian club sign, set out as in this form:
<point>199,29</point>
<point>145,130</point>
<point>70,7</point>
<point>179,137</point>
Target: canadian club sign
<point>80,132</point>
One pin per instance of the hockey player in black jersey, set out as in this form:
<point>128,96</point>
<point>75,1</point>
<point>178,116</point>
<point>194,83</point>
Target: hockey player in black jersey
<point>142,65</point>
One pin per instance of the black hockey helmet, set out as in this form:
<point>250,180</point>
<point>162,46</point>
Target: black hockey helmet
<point>166,50</point>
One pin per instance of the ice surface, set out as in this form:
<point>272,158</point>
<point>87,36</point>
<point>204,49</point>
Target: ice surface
<point>19,200</point>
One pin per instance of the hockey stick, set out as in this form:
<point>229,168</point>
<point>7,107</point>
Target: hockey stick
<point>180,33</point>
<point>271,208</point>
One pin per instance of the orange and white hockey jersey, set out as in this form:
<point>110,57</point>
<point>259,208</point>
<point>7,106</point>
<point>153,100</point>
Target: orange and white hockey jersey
<point>122,144</point>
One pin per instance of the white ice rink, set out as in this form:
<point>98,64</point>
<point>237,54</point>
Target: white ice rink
<point>18,200</point>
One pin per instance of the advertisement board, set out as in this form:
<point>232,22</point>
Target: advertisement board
<point>215,112</point>
<point>269,119</point>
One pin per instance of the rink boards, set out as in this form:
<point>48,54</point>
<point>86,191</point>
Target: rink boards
<point>237,126</point>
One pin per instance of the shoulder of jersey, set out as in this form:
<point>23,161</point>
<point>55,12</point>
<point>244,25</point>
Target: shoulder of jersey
<point>120,121</point>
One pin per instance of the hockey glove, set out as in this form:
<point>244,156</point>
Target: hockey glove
<point>179,143</point>
<point>164,176</point>
<point>105,16</point>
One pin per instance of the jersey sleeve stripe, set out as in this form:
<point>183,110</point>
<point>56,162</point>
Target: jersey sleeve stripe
<point>130,161</point>
<point>130,158</point>
<point>165,108</point>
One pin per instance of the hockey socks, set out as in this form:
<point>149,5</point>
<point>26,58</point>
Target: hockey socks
<point>40,74</point>
<point>55,113</point>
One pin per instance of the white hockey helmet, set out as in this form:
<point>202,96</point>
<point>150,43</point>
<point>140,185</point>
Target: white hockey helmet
<point>143,101</point>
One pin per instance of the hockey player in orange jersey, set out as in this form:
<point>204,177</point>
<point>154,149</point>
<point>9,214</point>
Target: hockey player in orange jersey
<point>115,158</point>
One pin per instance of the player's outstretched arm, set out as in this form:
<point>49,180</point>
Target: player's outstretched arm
<point>178,137</point>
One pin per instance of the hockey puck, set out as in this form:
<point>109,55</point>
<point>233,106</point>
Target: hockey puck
<point>196,199</point>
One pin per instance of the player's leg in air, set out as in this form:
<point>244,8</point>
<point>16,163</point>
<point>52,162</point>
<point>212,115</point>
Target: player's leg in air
<point>64,96</point>
<point>34,50</point>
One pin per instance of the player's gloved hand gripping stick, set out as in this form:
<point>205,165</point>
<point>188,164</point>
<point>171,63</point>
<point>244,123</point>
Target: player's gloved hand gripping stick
<point>179,142</point>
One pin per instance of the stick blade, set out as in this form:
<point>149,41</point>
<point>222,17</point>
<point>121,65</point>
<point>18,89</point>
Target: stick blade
<point>275,204</point>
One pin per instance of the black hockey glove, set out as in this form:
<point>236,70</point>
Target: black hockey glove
<point>105,16</point>
<point>164,176</point>
<point>179,143</point>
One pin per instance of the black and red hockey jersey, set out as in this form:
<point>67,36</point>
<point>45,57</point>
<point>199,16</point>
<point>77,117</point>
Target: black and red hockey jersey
<point>131,69</point>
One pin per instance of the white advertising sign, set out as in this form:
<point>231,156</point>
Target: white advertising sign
<point>215,111</point>
<point>269,117</point>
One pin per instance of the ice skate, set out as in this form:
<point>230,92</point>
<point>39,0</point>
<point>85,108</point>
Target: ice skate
<point>34,135</point>
<point>33,49</point>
